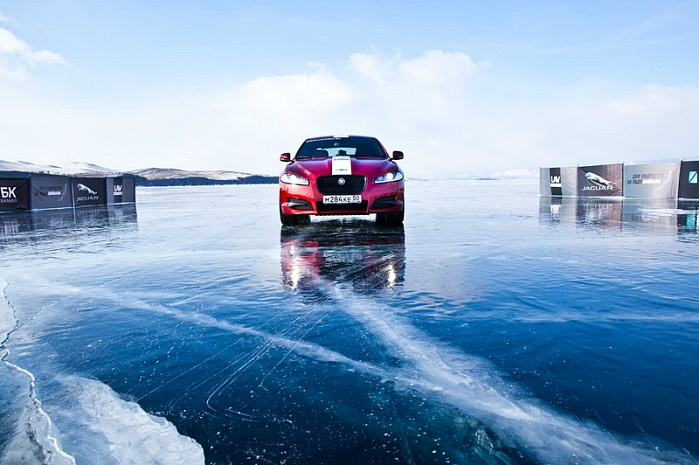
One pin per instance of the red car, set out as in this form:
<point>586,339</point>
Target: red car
<point>341,175</point>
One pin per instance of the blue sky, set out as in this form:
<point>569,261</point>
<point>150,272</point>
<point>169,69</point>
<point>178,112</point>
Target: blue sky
<point>463,88</point>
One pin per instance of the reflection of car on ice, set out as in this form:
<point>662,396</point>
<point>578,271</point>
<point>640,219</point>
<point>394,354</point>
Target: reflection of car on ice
<point>348,175</point>
<point>357,254</point>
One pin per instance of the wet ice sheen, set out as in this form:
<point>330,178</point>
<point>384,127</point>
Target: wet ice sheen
<point>31,436</point>
<point>99,427</point>
<point>487,333</point>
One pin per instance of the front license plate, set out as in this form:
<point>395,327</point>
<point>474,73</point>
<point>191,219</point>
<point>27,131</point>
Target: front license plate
<point>342,199</point>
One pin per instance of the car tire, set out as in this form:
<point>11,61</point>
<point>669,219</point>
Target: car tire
<point>288,220</point>
<point>293,220</point>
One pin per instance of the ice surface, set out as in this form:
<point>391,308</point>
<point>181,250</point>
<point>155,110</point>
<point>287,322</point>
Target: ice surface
<point>7,318</point>
<point>31,438</point>
<point>475,388</point>
<point>494,327</point>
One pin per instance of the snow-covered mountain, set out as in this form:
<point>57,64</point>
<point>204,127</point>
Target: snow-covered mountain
<point>69,169</point>
<point>144,177</point>
<point>172,173</point>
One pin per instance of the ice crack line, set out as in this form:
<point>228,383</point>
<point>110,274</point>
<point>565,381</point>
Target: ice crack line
<point>8,318</point>
<point>476,389</point>
<point>38,422</point>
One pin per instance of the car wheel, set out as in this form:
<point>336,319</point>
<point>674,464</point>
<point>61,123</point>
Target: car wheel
<point>293,220</point>
<point>288,220</point>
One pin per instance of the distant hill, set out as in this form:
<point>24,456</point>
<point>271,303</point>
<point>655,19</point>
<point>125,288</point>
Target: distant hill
<point>144,177</point>
<point>72,169</point>
<point>175,177</point>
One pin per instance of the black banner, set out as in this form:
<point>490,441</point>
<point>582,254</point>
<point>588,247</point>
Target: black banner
<point>121,190</point>
<point>128,191</point>
<point>600,180</point>
<point>689,180</point>
<point>14,194</point>
<point>89,191</point>
<point>50,192</point>
<point>46,191</point>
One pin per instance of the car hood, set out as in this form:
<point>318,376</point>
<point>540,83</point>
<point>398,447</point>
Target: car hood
<point>361,166</point>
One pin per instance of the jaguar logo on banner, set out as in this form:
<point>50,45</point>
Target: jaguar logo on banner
<point>87,190</point>
<point>600,180</point>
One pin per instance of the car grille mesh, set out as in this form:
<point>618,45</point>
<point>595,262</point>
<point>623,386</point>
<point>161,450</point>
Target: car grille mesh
<point>357,208</point>
<point>354,184</point>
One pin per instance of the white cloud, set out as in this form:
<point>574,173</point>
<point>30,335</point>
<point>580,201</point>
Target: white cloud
<point>247,127</point>
<point>433,68</point>
<point>16,56</point>
<point>314,93</point>
<point>372,67</point>
<point>413,94</point>
<point>9,44</point>
<point>439,108</point>
<point>640,124</point>
<point>439,68</point>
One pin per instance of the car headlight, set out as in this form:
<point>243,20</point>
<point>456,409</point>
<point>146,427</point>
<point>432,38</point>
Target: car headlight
<point>389,177</point>
<point>291,178</point>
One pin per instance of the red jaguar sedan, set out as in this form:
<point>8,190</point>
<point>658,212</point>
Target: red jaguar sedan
<point>341,175</point>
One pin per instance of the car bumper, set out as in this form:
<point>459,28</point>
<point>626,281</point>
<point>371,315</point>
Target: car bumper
<point>306,200</point>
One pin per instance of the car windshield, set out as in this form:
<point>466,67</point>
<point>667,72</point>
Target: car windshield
<point>339,146</point>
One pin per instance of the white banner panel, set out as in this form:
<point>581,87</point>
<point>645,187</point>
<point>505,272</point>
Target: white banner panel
<point>651,181</point>
<point>569,181</point>
<point>558,181</point>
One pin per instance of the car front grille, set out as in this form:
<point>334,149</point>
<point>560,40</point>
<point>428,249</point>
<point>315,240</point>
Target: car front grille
<point>353,184</point>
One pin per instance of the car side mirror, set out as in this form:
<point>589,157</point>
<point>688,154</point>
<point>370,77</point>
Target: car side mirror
<point>285,157</point>
<point>397,155</point>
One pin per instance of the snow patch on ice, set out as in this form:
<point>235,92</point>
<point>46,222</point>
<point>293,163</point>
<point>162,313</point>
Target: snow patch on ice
<point>122,430</point>
<point>102,429</point>
<point>34,439</point>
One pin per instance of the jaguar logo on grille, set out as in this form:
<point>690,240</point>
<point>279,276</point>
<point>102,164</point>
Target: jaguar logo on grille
<point>341,181</point>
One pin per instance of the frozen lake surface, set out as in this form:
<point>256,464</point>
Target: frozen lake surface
<point>495,327</point>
